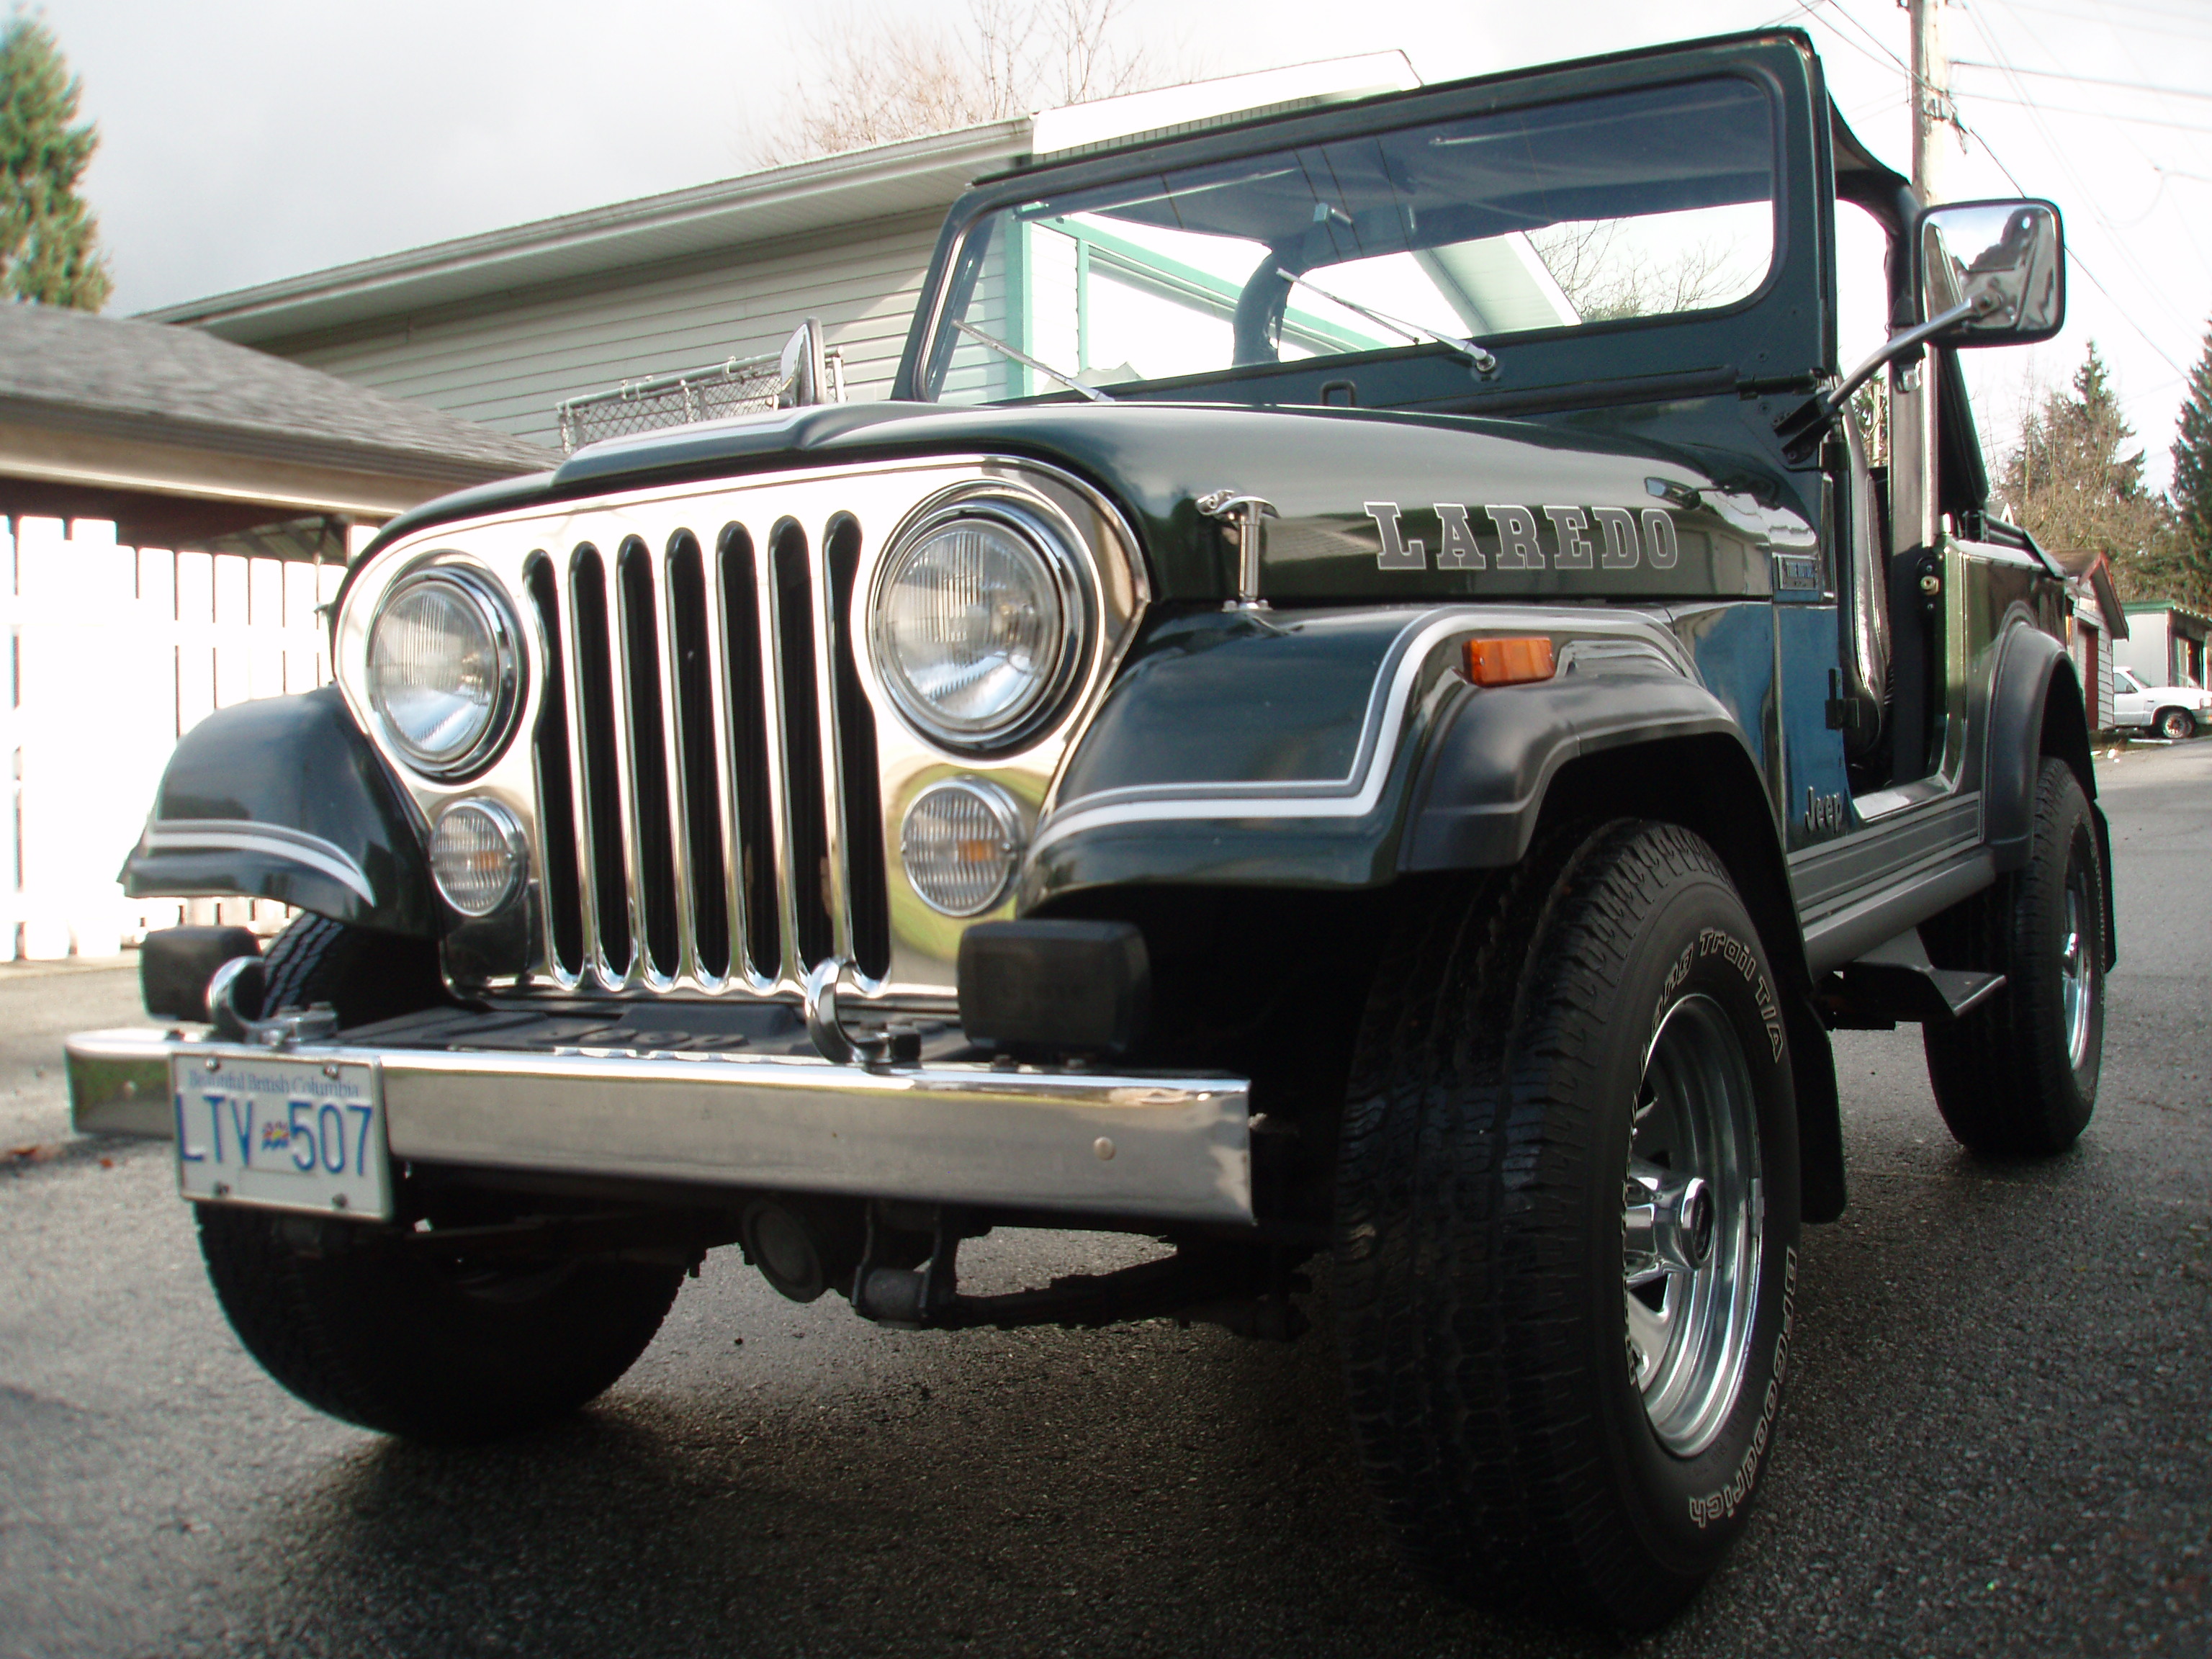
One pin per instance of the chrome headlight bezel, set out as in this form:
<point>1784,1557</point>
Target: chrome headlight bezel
<point>490,605</point>
<point>1063,571</point>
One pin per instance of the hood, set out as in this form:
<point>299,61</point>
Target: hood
<point>1369,504</point>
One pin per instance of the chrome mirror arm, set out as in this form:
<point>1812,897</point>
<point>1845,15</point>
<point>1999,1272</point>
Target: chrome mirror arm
<point>1805,425</point>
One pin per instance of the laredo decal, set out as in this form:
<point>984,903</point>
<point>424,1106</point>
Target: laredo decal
<point>1619,545</point>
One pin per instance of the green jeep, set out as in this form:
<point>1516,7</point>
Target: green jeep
<point>1374,694</point>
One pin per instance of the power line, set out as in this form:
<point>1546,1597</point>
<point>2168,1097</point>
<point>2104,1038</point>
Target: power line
<point>2087,196</point>
<point>2192,14</point>
<point>2074,254</point>
<point>2083,80</point>
<point>1814,9</point>
<point>1810,9</point>
<point>2089,114</point>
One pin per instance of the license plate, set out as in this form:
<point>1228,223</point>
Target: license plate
<point>284,1133</point>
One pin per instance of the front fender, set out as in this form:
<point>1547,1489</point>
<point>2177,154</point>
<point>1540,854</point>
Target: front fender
<point>283,799</point>
<point>1288,750</point>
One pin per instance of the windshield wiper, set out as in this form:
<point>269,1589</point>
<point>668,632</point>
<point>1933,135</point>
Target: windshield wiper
<point>1484,363</point>
<point>1028,362</point>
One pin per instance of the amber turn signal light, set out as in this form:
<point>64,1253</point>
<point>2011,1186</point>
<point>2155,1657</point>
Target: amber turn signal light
<point>1508,662</point>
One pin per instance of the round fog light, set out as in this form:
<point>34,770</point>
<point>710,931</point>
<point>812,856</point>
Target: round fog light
<point>958,844</point>
<point>476,856</point>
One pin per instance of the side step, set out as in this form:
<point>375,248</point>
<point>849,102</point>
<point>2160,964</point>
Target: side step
<point>1895,980</point>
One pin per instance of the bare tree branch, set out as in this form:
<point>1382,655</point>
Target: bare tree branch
<point>1602,285</point>
<point>872,79</point>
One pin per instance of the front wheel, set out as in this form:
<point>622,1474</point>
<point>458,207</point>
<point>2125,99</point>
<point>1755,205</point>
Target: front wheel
<point>2175,724</point>
<point>389,1332</point>
<point>1566,1230</point>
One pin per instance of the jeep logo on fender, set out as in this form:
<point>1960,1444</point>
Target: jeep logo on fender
<point>1603,537</point>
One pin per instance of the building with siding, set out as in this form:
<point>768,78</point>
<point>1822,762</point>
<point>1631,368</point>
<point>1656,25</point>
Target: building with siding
<point>500,328</point>
<point>2169,643</point>
<point>2094,630</point>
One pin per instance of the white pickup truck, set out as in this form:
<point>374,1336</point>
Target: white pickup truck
<point>2170,711</point>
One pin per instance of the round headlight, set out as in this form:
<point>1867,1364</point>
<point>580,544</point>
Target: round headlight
<point>442,670</point>
<point>478,854</point>
<point>979,625</point>
<point>958,845</point>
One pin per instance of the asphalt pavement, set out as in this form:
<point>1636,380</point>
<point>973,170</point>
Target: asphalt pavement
<point>1999,1438</point>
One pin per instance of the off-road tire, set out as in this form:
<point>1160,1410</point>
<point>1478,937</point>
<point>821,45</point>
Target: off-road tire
<point>2006,1076</point>
<point>1479,1231</point>
<point>2176,724</point>
<point>376,1328</point>
<point>381,1334</point>
<point>365,975</point>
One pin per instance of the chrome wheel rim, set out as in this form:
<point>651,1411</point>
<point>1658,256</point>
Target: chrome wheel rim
<point>1693,1213</point>
<point>2078,989</point>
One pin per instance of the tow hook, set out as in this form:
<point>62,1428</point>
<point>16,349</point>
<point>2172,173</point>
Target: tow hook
<point>246,978</point>
<point>894,1045</point>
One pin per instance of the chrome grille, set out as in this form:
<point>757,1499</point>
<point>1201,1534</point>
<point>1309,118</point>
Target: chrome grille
<point>712,773</point>
<point>705,761</point>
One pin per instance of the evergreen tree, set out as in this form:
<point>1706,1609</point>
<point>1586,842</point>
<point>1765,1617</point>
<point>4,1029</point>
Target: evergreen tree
<point>48,237</point>
<point>2192,463</point>
<point>2075,479</point>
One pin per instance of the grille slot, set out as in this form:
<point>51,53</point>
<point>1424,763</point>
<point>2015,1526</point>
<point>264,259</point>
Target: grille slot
<point>707,764</point>
<point>807,835</point>
<point>699,776</point>
<point>652,830</point>
<point>748,748</point>
<point>608,916</point>
<point>556,806</point>
<point>867,897</point>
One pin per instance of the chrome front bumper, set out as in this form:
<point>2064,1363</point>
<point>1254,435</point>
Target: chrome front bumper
<point>1171,1148</point>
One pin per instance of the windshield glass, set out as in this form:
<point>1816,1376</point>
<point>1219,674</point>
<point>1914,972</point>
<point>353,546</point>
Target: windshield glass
<point>1640,205</point>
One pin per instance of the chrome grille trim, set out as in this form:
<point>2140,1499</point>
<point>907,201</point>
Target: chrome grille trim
<point>782,788</point>
<point>774,793</point>
<point>838,888</point>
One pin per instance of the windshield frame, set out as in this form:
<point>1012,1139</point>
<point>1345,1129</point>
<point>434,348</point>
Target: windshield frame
<point>1701,343</point>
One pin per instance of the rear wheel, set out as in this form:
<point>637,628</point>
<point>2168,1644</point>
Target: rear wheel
<point>1566,1224</point>
<point>379,1326</point>
<point>2018,1076</point>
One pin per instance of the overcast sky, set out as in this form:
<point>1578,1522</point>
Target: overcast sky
<point>244,141</point>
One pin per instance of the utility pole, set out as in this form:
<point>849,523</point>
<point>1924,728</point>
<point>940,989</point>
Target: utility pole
<point>1932,112</point>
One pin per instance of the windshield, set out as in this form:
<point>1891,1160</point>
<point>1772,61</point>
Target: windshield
<point>1641,204</point>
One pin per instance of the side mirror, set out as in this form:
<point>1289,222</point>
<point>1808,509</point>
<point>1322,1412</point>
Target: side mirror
<point>801,367</point>
<point>2007,259</point>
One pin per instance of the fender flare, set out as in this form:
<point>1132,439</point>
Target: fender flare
<point>1502,760</point>
<point>2027,722</point>
<point>1495,753</point>
<point>284,799</point>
